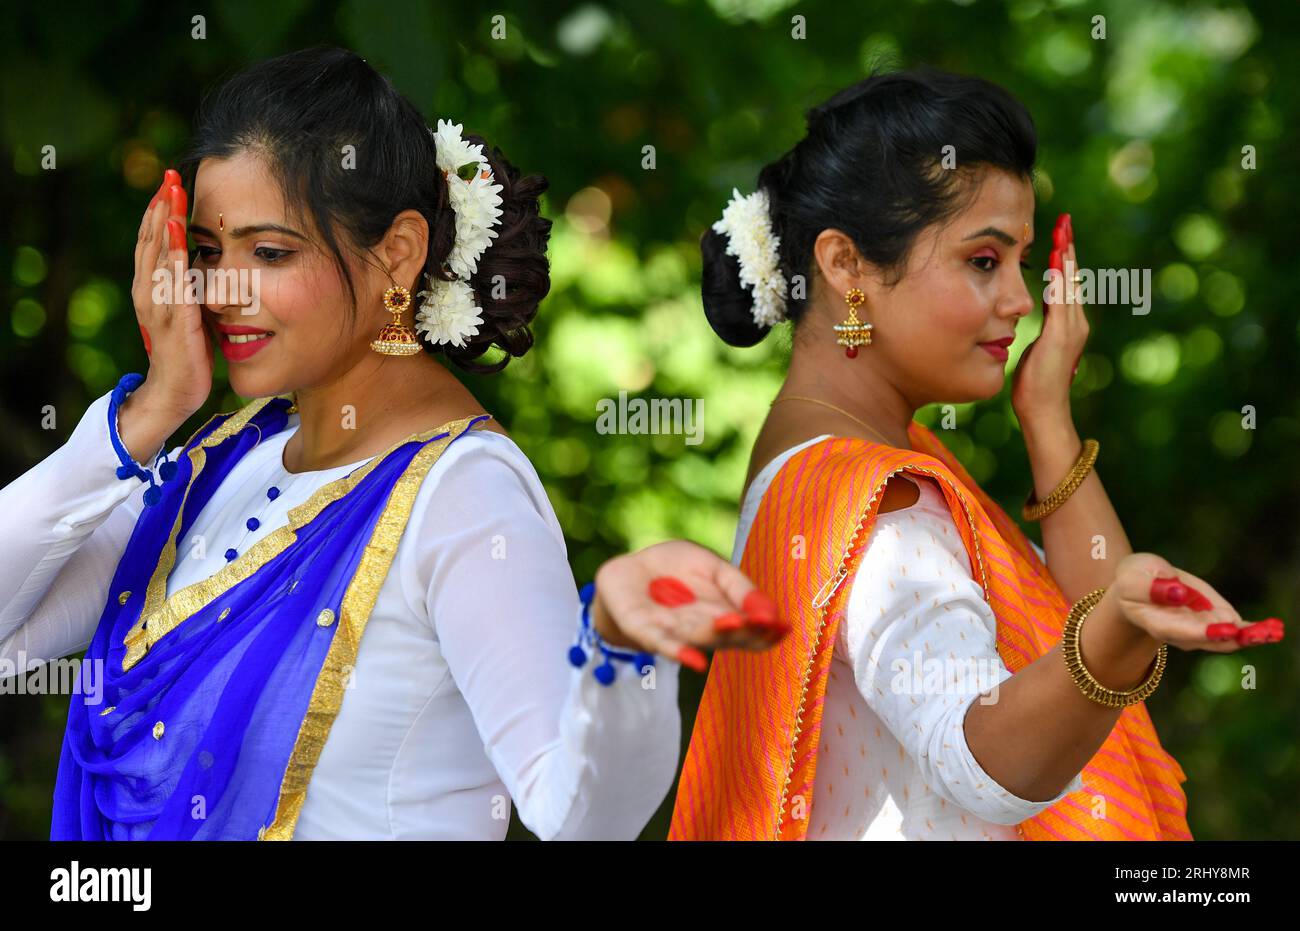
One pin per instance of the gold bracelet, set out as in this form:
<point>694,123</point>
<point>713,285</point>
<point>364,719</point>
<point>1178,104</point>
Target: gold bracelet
<point>1091,688</point>
<point>1035,510</point>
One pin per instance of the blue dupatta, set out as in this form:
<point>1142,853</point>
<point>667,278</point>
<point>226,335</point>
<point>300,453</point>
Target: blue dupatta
<point>219,699</point>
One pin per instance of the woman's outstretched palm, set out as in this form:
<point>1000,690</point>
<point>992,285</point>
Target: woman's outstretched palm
<point>677,597</point>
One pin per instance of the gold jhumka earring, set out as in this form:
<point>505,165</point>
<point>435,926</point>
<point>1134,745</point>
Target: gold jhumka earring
<point>396,338</point>
<point>853,332</point>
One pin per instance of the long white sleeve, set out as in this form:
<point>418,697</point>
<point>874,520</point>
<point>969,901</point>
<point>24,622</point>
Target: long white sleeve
<point>916,614</point>
<point>65,523</point>
<point>579,759</point>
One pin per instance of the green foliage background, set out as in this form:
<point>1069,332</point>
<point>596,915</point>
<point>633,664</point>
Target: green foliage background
<point>1142,142</point>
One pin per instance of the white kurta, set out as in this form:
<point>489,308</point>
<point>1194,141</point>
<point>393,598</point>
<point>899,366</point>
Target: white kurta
<point>893,762</point>
<point>463,697</point>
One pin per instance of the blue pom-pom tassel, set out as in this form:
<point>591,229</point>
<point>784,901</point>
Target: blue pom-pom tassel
<point>167,470</point>
<point>128,467</point>
<point>231,554</point>
<point>605,673</point>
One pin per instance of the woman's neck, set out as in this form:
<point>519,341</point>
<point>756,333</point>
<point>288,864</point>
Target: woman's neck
<point>370,407</point>
<point>854,385</point>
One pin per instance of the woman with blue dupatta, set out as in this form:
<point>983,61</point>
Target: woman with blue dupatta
<point>344,610</point>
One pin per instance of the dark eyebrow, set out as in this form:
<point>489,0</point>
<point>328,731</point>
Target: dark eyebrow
<point>241,231</point>
<point>1005,238</point>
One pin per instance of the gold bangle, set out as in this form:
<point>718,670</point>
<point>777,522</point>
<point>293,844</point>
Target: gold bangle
<point>1084,679</point>
<point>1037,510</point>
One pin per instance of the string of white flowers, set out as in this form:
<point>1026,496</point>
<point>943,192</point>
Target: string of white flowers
<point>448,311</point>
<point>747,224</point>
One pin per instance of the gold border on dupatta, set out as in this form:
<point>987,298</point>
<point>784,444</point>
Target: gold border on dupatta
<point>140,637</point>
<point>821,603</point>
<point>354,612</point>
<point>160,614</point>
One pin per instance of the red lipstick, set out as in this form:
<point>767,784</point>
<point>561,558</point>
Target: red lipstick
<point>251,341</point>
<point>998,348</point>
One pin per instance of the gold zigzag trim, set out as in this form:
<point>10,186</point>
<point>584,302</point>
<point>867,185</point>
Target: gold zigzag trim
<point>140,637</point>
<point>160,614</point>
<point>354,612</point>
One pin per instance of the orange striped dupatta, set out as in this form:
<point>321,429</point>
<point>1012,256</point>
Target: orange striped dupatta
<point>752,760</point>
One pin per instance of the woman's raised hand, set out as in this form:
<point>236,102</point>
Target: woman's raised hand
<point>1176,607</point>
<point>180,351</point>
<point>1040,386</point>
<point>677,599</point>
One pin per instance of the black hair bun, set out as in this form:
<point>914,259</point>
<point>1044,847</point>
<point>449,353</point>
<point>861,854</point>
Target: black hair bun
<point>728,305</point>
<point>513,274</point>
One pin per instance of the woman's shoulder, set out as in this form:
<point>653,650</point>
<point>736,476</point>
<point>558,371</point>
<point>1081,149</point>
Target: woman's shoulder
<point>481,501</point>
<point>914,499</point>
<point>914,559</point>
<point>900,492</point>
<point>480,453</point>
<point>484,474</point>
<point>922,531</point>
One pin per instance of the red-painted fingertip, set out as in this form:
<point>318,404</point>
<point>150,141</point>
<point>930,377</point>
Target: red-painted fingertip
<point>726,623</point>
<point>175,234</point>
<point>1258,633</point>
<point>1221,632</point>
<point>670,592</point>
<point>177,200</point>
<point>1169,591</point>
<point>689,656</point>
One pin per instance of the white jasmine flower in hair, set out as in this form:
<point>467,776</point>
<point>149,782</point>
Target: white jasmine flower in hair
<point>452,150</point>
<point>448,311</point>
<point>747,224</point>
<point>477,204</point>
<point>474,195</point>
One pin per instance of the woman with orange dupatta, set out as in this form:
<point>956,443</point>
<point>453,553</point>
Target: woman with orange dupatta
<point>939,681</point>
